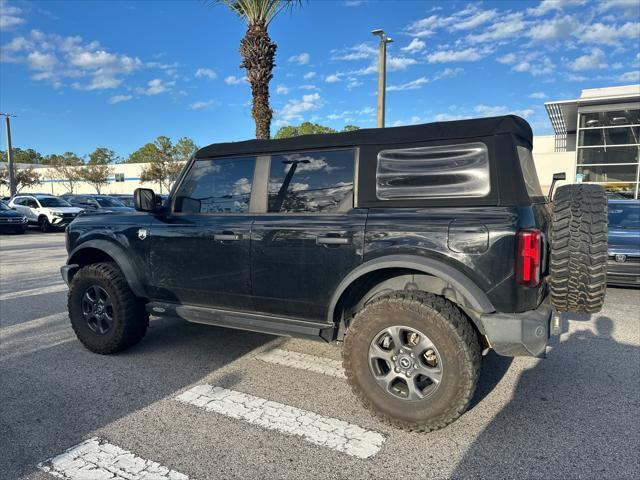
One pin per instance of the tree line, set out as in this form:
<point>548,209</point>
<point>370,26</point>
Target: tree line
<point>164,161</point>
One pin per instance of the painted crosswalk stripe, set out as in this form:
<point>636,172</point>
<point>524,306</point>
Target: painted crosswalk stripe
<point>303,361</point>
<point>96,459</point>
<point>324,431</point>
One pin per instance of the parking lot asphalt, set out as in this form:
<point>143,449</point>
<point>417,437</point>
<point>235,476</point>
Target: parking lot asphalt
<point>572,415</point>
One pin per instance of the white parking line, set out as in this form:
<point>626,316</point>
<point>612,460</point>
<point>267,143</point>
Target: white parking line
<point>96,459</point>
<point>311,363</point>
<point>324,431</point>
<point>61,287</point>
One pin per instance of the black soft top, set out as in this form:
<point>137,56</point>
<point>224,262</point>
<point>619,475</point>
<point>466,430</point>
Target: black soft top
<point>459,129</point>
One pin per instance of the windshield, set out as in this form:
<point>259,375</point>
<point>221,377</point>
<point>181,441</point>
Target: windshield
<point>108,202</point>
<point>53,202</point>
<point>4,206</point>
<point>624,215</point>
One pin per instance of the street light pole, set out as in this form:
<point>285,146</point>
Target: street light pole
<point>12,180</point>
<point>382,74</point>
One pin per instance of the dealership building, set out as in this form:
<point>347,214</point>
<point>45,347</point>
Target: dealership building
<point>596,140</point>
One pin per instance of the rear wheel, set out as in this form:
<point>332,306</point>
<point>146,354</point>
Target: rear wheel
<point>105,314</point>
<point>413,359</point>
<point>578,265</point>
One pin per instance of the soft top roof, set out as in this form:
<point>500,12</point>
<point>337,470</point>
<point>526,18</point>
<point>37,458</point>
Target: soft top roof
<point>459,129</point>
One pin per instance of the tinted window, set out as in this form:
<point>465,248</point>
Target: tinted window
<point>529,173</point>
<point>216,186</point>
<point>53,202</point>
<point>433,172</point>
<point>624,215</point>
<point>4,206</point>
<point>108,202</point>
<point>311,182</point>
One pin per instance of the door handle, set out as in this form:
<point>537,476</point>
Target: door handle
<point>227,237</point>
<point>333,240</point>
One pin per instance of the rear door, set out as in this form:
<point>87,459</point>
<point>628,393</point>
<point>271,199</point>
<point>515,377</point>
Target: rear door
<point>311,235</point>
<point>199,252</point>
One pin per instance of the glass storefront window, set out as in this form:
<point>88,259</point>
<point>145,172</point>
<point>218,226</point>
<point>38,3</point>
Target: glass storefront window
<point>609,136</point>
<point>614,118</point>
<point>608,155</point>
<point>608,173</point>
<point>620,191</point>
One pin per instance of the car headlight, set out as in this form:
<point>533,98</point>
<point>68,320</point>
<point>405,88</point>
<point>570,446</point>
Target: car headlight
<point>56,213</point>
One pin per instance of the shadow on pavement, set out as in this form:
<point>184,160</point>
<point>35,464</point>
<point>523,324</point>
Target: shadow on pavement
<point>574,414</point>
<point>55,394</point>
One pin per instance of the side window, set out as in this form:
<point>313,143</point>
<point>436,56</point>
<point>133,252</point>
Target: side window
<point>216,186</point>
<point>433,172</point>
<point>32,203</point>
<point>529,173</point>
<point>311,182</point>
<point>18,201</point>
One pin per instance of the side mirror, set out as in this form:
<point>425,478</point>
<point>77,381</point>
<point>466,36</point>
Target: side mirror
<point>144,200</point>
<point>556,177</point>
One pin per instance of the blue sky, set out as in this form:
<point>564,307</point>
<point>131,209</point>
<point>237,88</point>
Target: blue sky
<point>85,74</point>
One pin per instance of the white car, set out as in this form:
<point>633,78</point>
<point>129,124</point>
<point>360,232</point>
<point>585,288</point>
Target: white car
<point>47,211</point>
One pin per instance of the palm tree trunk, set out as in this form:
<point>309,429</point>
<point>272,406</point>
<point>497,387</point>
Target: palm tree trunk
<point>258,52</point>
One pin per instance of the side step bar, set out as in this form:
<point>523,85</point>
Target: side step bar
<point>254,322</point>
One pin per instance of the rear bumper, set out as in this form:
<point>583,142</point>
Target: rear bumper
<point>519,334</point>
<point>624,273</point>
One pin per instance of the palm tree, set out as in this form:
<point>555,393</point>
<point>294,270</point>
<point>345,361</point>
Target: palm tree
<point>258,52</point>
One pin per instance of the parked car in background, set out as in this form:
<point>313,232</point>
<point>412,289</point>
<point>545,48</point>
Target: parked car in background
<point>97,203</point>
<point>11,220</point>
<point>127,200</point>
<point>624,243</point>
<point>47,211</point>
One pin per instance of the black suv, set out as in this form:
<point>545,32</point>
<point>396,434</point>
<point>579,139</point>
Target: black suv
<point>419,247</point>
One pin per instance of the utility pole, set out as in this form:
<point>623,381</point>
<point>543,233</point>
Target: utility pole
<point>12,180</point>
<point>382,73</point>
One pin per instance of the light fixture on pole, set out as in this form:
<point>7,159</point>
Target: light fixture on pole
<point>382,73</point>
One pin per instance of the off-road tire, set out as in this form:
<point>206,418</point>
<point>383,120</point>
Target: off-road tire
<point>452,334</point>
<point>578,265</point>
<point>130,319</point>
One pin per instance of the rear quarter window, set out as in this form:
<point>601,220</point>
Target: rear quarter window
<point>445,171</point>
<point>529,173</point>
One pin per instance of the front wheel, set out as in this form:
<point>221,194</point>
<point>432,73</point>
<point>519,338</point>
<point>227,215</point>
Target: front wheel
<point>44,224</point>
<point>105,314</point>
<point>413,359</point>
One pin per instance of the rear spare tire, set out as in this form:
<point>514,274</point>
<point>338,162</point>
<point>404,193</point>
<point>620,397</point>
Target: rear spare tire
<point>578,266</point>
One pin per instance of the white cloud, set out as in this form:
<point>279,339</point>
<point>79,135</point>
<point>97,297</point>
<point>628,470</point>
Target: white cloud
<point>474,20</point>
<point>206,73</point>
<point>535,67</point>
<point>333,78</point>
<point>466,55</point>
<point>233,80</point>
<point>629,77</point>
<point>120,98</point>
<point>99,83</point>
<point>448,73</point>
<point>202,105</point>
<point>357,52</point>
<point>554,29</point>
<point>398,63</point>
<point>282,90</point>
<point>309,75</point>
<point>155,87</point>
<point>547,6</point>
<point>507,58</point>
<point>413,85</point>
<point>593,61</point>
<point>447,117</point>
<point>301,59</point>
<point>294,108</point>
<point>41,61</point>
<point>10,16</point>
<point>538,95</point>
<point>599,33</point>
<point>415,46</point>
<point>308,86</point>
<point>505,27</point>
<point>494,111</point>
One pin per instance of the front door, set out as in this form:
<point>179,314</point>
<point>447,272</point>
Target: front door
<point>311,236</point>
<point>199,252</point>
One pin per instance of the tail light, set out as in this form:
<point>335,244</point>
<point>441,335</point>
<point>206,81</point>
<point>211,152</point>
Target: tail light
<point>528,257</point>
